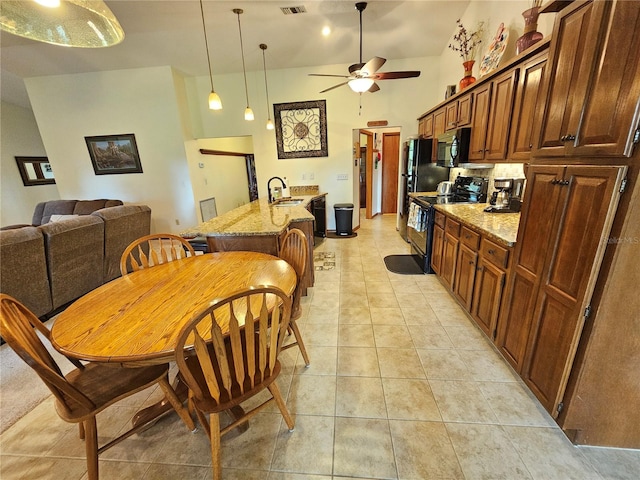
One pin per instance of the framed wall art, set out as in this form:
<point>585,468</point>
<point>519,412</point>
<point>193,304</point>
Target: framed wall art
<point>35,171</point>
<point>301,129</point>
<point>111,154</point>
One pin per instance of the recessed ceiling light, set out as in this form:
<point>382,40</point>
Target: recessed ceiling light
<point>326,30</point>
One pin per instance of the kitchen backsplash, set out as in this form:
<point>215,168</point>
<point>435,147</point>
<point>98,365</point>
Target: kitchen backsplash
<point>507,170</point>
<point>304,189</point>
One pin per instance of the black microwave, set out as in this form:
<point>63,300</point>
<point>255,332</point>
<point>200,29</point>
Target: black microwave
<point>453,147</point>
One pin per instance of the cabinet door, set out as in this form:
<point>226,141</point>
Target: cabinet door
<point>571,45</point>
<point>436,248</point>
<point>425,127</point>
<point>449,259</point>
<point>479,121</point>
<point>465,275</point>
<point>451,115</point>
<point>464,110</point>
<point>605,124</point>
<point>487,296</point>
<point>438,128</point>
<point>536,223</point>
<point>520,137</point>
<point>499,121</point>
<point>585,209</point>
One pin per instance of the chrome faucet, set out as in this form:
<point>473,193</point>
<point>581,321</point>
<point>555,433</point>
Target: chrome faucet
<point>269,186</point>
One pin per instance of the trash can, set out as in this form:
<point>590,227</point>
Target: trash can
<point>344,215</point>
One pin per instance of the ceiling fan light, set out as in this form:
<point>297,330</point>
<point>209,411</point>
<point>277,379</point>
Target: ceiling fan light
<point>360,85</point>
<point>248,114</point>
<point>214,101</point>
<point>74,23</point>
<point>270,125</point>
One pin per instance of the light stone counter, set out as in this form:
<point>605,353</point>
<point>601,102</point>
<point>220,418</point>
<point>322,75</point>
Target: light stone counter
<point>255,218</point>
<point>499,227</point>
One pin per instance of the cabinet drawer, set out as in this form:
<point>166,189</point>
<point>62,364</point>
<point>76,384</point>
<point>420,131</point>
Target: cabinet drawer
<point>470,238</point>
<point>494,253</point>
<point>452,227</point>
<point>439,219</point>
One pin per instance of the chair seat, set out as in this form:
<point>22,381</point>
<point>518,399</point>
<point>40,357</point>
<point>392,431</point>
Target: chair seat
<point>105,385</point>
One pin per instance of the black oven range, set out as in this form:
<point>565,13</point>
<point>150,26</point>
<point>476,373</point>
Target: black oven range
<point>421,215</point>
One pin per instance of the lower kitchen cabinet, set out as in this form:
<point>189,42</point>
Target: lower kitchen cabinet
<point>436,248</point>
<point>450,252</point>
<point>487,296</point>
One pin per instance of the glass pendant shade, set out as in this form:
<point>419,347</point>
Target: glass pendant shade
<point>214,101</point>
<point>270,125</point>
<point>360,85</point>
<point>73,23</point>
<point>248,114</point>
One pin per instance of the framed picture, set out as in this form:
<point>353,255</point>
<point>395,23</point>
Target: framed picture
<point>35,171</point>
<point>301,129</point>
<point>112,154</point>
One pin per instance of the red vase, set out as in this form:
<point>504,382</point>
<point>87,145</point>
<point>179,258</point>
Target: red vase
<point>468,78</point>
<point>530,35</point>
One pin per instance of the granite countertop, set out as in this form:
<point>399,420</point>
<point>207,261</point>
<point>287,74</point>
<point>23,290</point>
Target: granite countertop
<point>255,218</point>
<point>499,227</point>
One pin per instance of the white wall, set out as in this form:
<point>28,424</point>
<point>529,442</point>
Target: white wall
<point>20,138</point>
<point>145,102</point>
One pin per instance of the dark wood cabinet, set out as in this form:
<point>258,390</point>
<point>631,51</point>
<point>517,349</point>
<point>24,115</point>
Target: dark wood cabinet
<point>450,252</point>
<point>479,122</point>
<point>439,119</point>
<point>568,215</point>
<point>589,101</point>
<point>436,248</point>
<point>487,296</point>
<point>527,90</point>
<point>425,127</point>
<point>458,113</point>
<point>465,275</point>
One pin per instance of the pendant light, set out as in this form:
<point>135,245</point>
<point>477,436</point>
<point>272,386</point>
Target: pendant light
<point>248,113</point>
<point>214,99</point>
<point>270,125</point>
<point>69,23</point>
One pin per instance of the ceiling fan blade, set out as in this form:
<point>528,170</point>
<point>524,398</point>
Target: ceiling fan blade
<point>372,66</point>
<point>395,75</point>
<point>335,86</point>
<point>374,88</point>
<point>327,75</point>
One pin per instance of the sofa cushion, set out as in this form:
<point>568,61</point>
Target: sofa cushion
<point>75,255</point>
<point>23,268</point>
<point>86,207</point>
<point>42,215</point>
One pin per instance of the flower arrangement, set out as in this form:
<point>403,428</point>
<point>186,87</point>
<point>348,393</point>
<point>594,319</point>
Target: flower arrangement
<point>465,42</point>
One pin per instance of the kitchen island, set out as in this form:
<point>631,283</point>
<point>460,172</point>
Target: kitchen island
<point>259,226</point>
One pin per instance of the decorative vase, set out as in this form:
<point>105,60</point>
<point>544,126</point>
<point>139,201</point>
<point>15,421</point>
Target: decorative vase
<point>468,79</point>
<point>530,35</point>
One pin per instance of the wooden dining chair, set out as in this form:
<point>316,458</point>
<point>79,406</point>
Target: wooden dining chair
<point>295,251</point>
<point>152,250</point>
<point>86,390</point>
<point>222,370</point>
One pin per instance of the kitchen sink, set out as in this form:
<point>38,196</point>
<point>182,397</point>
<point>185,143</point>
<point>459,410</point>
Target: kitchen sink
<point>290,202</point>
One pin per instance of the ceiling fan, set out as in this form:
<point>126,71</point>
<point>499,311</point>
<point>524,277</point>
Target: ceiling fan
<point>363,76</point>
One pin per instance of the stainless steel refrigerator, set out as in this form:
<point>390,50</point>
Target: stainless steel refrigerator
<point>419,174</point>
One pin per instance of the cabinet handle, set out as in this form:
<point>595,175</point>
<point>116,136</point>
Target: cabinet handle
<point>479,269</point>
<point>531,145</point>
<point>555,181</point>
<point>491,251</point>
<point>564,182</point>
<point>571,138</point>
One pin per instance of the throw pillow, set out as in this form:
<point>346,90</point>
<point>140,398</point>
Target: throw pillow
<point>57,218</point>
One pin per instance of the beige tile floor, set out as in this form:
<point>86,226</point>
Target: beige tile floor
<point>401,386</point>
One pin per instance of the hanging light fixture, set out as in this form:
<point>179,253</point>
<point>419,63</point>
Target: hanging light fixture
<point>70,23</point>
<point>248,113</point>
<point>270,125</point>
<point>214,99</point>
<point>360,85</point>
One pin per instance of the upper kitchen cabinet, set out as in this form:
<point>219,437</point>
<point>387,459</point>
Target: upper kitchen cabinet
<point>491,120</point>
<point>590,99</point>
<point>425,127</point>
<point>439,127</point>
<point>458,113</point>
<point>528,88</point>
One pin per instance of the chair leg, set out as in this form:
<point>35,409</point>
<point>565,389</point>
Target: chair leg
<point>298,335</point>
<point>177,405</point>
<point>277,396</point>
<point>91,447</point>
<point>214,436</point>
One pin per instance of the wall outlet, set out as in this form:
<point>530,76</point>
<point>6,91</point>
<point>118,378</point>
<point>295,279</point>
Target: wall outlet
<point>343,176</point>
<point>312,176</point>
<point>304,176</point>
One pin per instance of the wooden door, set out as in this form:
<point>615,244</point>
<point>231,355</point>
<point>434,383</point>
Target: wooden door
<point>390,160</point>
<point>451,115</point>
<point>607,122</point>
<point>572,45</point>
<point>464,110</point>
<point>436,249</point>
<point>438,128</point>
<point>465,275</point>
<point>536,223</point>
<point>521,141</point>
<point>487,296</point>
<point>449,259</point>
<point>479,121</point>
<point>585,209</point>
<point>425,127</point>
<point>500,110</point>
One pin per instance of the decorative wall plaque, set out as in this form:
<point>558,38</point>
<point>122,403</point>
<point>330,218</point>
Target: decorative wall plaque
<point>301,129</point>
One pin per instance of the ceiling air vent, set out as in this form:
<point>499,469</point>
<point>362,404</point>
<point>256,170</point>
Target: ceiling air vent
<point>293,10</point>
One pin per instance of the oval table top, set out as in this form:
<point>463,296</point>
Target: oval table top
<point>136,319</point>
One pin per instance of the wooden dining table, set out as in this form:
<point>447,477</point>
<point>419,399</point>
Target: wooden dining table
<point>135,320</point>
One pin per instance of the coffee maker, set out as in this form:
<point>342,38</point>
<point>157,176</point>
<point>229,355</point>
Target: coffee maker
<point>508,195</point>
